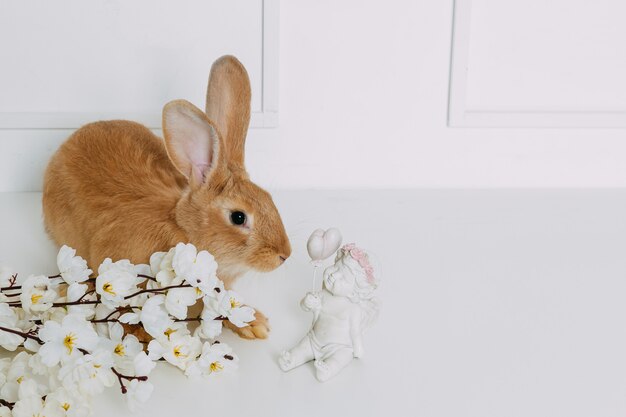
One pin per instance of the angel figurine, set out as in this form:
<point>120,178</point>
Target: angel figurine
<point>342,310</point>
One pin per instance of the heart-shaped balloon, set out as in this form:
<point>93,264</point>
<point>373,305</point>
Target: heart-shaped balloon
<point>322,243</point>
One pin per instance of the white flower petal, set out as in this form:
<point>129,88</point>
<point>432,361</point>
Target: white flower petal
<point>72,268</point>
<point>241,316</point>
<point>155,350</point>
<point>129,318</point>
<point>138,393</point>
<point>143,364</point>
<point>155,261</point>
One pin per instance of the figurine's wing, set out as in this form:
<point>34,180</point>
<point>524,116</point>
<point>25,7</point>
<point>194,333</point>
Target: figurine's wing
<point>371,308</point>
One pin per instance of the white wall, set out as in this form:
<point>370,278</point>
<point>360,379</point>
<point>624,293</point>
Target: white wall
<point>363,103</point>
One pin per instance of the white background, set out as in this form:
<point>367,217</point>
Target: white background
<point>363,103</point>
<point>495,303</point>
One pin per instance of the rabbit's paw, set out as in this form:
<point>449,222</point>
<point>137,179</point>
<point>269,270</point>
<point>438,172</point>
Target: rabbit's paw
<point>257,329</point>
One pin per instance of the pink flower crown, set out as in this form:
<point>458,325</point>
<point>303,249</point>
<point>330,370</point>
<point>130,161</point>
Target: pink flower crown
<point>361,257</point>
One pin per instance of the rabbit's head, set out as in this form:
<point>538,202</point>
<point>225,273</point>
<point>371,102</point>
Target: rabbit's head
<point>221,210</point>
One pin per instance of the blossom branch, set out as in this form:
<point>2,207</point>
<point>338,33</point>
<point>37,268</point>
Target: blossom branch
<point>156,290</point>
<point>108,318</point>
<point>13,279</point>
<point>200,319</point>
<point>67,303</point>
<point>86,294</point>
<point>7,404</point>
<point>105,321</point>
<point>146,277</point>
<point>75,303</point>
<point>17,294</point>
<point>79,301</point>
<point>70,331</point>
<point>11,284</point>
<point>121,377</point>
<point>22,334</point>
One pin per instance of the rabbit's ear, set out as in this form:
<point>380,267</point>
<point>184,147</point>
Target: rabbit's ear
<point>191,140</point>
<point>228,105</point>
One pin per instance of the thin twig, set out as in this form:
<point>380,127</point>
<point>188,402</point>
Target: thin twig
<point>22,334</point>
<point>156,290</point>
<point>222,318</point>
<point>7,404</point>
<point>121,377</point>
<point>108,318</point>
<point>147,277</point>
<point>105,320</point>
<point>12,285</point>
<point>75,303</point>
<point>86,294</point>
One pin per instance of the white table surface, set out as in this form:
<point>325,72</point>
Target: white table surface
<point>495,303</point>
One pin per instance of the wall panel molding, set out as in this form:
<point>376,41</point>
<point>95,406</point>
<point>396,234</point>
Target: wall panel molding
<point>544,111</point>
<point>259,50</point>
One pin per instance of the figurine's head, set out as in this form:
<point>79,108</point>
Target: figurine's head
<point>351,275</point>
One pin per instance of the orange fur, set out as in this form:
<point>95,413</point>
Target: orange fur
<point>114,190</point>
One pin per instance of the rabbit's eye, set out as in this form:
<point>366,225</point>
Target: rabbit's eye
<point>238,218</point>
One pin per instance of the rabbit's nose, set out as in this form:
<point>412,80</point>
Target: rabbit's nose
<point>282,258</point>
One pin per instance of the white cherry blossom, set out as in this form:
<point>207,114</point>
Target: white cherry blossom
<point>177,329</point>
<point>154,316</point>
<point>138,393</point>
<point>210,327</point>
<point>130,317</point>
<point>215,358</point>
<point>37,366</point>
<point>161,266</point>
<point>54,313</point>
<point>103,311</point>
<point>5,364</point>
<point>143,364</point>
<point>68,403</point>
<point>64,341</point>
<point>38,294</point>
<point>79,359</point>
<point>178,299</point>
<point>76,292</point>
<point>142,269</point>
<point>29,388</point>
<point>197,268</point>
<point>228,304</point>
<point>124,349</point>
<point>8,320</point>
<point>157,322</point>
<point>177,350</point>
<point>89,374</point>
<point>115,281</point>
<point>34,407</point>
<point>72,268</point>
<point>16,373</point>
